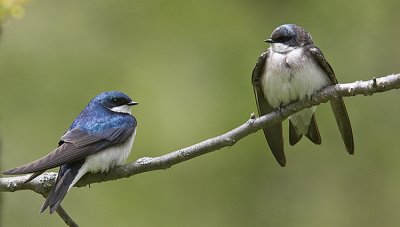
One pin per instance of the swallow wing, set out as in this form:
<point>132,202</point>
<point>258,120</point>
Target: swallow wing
<point>337,104</point>
<point>76,144</point>
<point>273,133</point>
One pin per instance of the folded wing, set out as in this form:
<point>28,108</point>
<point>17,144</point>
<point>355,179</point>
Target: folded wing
<point>273,133</point>
<point>76,144</point>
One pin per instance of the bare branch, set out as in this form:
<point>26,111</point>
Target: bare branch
<point>44,182</point>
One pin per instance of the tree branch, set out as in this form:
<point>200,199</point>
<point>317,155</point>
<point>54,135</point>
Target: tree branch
<point>44,182</point>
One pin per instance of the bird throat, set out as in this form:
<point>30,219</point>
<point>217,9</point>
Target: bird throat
<point>122,109</point>
<point>281,48</point>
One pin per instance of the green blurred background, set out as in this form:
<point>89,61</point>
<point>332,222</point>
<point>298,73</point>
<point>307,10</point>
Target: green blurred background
<point>188,64</point>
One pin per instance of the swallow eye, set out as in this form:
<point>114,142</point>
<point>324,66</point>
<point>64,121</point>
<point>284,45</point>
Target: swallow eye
<point>117,101</point>
<point>282,39</point>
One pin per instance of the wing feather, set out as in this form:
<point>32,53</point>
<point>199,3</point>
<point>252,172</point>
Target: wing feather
<point>273,133</point>
<point>337,104</point>
<point>77,144</point>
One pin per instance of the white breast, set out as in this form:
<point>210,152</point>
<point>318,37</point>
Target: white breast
<point>106,159</point>
<point>289,77</point>
<point>113,156</point>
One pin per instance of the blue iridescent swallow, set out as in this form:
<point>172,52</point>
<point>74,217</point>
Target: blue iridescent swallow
<point>100,138</point>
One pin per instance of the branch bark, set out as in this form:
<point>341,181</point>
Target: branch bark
<point>44,182</point>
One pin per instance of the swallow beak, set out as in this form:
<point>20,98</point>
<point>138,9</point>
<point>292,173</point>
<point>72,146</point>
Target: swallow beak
<point>132,103</point>
<point>268,41</point>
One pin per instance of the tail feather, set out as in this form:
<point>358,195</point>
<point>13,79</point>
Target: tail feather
<point>66,176</point>
<point>313,132</point>
<point>58,193</point>
<point>294,137</point>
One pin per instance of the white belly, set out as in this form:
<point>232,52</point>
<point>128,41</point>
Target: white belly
<point>290,77</point>
<point>113,156</point>
<point>106,159</point>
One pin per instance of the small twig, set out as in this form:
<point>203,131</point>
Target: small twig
<point>64,215</point>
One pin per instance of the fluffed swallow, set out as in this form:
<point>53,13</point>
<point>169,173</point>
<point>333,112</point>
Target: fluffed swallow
<point>293,69</point>
<point>100,138</point>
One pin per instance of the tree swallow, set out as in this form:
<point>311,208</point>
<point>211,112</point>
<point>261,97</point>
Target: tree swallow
<point>100,138</point>
<point>293,69</point>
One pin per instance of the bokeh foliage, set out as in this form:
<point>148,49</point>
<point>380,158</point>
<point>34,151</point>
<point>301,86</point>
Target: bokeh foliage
<point>12,9</point>
<point>188,64</point>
